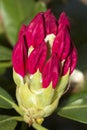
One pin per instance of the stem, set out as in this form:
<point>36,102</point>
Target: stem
<point>38,127</point>
<point>17,109</point>
<point>17,118</point>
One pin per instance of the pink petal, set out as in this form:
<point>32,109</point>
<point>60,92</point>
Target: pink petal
<point>51,72</point>
<point>56,71</point>
<point>61,45</point>
<point>58,44</point>
<point>67,43</point>
<point>35,31</point>
<point>62,42</point>
<point>73,59</point>
<point>46,75</point>
<point>66,65</point>
<point>22,31</point>
<point>51,25</point>
<point>19,57</point>
<point>63,21</point>
<point>37,58</point>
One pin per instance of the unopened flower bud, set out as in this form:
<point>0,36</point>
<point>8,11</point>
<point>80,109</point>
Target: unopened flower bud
<point>19,56</point>
<point>43,59</point>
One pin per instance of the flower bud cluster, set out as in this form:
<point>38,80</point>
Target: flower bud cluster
<point>43,58</point>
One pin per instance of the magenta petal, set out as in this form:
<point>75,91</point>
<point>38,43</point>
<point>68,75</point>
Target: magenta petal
<point>19,57</point>
<point>51,72</point>
<point>51,25</point>
<point>37,58</point>
<point>64,26</point>
<point>61,45</point>
<point>63,21</point>
<point>67,43</point>
<point>46,75</point>
<point>22,31</point>
<point>73,59</point>
<point>56,71</point>
<point>58,44</point>
<point>66,65</point>
<point>35,31</point>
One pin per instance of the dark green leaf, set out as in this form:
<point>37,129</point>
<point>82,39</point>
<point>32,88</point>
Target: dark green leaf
<point>5,99</point>
<point>5,54</point>
<point>6,123</point>
<point>2,71</point>
<point>15,12</point>
<point>75,107</point>
<point>5,64</point>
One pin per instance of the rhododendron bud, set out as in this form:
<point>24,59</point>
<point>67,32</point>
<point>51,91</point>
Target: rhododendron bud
<point>19,56</point>
<point>35,31</point>
<point>43,59</point>
<point>36,58</point>
<point>51,27</point>
<point>51,71</point>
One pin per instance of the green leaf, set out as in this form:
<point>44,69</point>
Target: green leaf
<point>38,126</point>
<point>7,102</point>
<point>5,64</point>
<point>15,12</point>
<point>5,57</point>
<point>5,99</point>
<point>2,71</point>
<point>7,123</point>
<point>75,107</point>
<point>5,54</point>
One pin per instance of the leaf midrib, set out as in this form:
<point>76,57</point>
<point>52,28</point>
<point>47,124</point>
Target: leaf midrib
<point>73,107</point>
<point>19,118</point>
